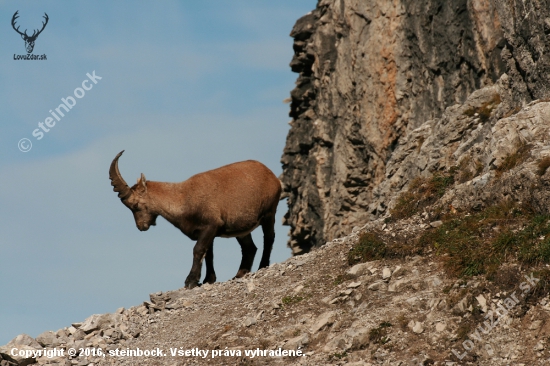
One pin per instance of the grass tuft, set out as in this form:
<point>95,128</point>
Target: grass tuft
<point>479,243</point>
<point>380,335</point>
<point>468,169</point>
<point>512,160</point>
<point>369,247</point>
<point>422,192</point>
<point>289,300</point>
<point>484,111</point>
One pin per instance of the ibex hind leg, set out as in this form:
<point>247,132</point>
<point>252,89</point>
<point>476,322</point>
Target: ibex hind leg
<point>249,252</point>
<point>268,227</point>
<point>210,276</point>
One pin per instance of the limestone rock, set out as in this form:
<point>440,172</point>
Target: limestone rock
<point>378,285</point>
<point>250,321</point>
<point>323,320</point>
<point>99,321</point>
<point>47,339</point>
<point>362,88</point>
<point>297,342</point>
<point>20,358</point>
<point>359,269</point>
<point>25,339</point>
<point>482,302</point>
<point>386,274</point>
<point>418,328</point>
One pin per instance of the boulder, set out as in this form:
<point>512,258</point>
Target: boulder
<point>323,320</point>
<point>297,342</point>
<point>22,354</point>
<point>99,321</point>
<point>48,339</point>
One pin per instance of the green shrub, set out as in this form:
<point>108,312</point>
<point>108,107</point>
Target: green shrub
<point>369,247</point>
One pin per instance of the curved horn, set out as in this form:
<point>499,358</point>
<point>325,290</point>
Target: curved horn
<point>117,181</point>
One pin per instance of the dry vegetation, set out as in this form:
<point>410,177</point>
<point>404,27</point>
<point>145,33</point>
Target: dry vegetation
<point>484,111</point>
<point>422,193</point>
<point>467,243</point>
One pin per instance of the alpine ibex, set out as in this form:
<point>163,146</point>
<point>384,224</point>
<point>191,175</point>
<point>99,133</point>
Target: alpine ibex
<point>230,201</point>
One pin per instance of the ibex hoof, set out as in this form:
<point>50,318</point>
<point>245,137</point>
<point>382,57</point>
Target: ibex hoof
<point>209,279</point>
<point>189,286</point>
<point>242,273</point>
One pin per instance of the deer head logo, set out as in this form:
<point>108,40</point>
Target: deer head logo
<point>29,40</point>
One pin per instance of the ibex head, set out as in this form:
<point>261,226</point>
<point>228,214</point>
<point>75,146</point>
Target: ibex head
<point>135,198</point>
<point>29,40</point>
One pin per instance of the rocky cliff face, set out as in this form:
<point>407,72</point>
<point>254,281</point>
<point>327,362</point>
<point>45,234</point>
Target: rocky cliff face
<point>372,72</point>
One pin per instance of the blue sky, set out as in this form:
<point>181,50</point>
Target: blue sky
<point>185,87</point>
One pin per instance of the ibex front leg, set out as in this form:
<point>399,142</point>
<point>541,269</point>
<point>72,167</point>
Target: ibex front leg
<point>204,243</point>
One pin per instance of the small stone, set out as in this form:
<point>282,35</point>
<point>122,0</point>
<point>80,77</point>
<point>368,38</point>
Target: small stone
<point>535,325</point>
<point>297,342</point>
<point>354,284</point>
<point>250,321</point>
<point>461,306</point>
<point>61,333</point>
<point>326,299</point>
<point>250,286</point>
<point>186,303</point>
<point>395,285</point>
<point>359,337</point>
<point>386,274</point>
<point>440,327</point>
<point>79,335</point>
<point>437,223</point>
<point>418,328</point>
<point>379,285</point>
<point>323,320</point>
<point>398,271</point>
<point>482,302</point>
<point>298,288</point>
<point>359,269</point>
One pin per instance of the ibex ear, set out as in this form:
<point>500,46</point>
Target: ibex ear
<point>142,184</point>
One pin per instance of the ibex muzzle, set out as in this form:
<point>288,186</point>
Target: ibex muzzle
<point>230,201</point>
